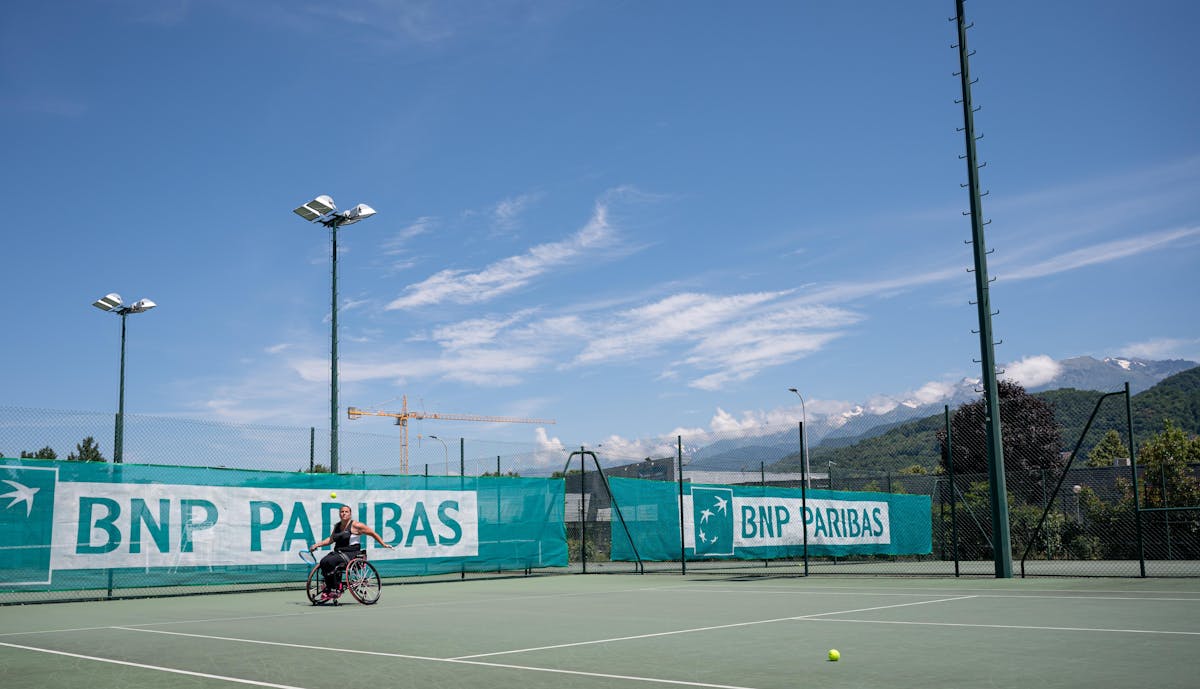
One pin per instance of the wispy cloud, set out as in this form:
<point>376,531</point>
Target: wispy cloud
<point>1163,348</point>
<point>1103,253</point>
<point>508,274</point>
<point>506,215</point>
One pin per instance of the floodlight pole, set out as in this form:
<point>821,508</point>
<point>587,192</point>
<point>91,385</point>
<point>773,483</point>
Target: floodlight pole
<point>111,303</point>
<point>333,352</point>
<point>322,210</point>
<point>1002,553</point>
<point>119,434</point>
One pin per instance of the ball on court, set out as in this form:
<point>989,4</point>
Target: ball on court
<point>333,495</point>
<point>834,655</point>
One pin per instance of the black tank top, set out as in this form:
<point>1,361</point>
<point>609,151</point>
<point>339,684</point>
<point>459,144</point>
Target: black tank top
<point>343,539</point>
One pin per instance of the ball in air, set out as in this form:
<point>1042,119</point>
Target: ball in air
<point>333,495</point>
<point>834,655</point>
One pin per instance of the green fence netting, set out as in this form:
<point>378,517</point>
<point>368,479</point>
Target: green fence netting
<point>91,525</point>
<point>764,522</point>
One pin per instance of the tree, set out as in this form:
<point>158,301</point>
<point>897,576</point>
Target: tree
<point>1032,441</point>
<point>86,451</point>
<point>1110,448</point>
<point>44,453</point>
<point>1167,458</point>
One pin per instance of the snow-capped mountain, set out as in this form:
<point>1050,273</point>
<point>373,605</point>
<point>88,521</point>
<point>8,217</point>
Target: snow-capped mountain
<point>867,419</point>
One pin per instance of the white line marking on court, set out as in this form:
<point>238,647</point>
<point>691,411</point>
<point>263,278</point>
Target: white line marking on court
<point>926,592</point>
<point>1020,626</point>
<point>697,629</point>
<point>624,638</point>
<point>881,607</point>
<point>459,661</point>
<point>160,668</point>
<point>146,624</point>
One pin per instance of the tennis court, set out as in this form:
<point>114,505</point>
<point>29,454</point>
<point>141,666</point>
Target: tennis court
<point>626,631</point>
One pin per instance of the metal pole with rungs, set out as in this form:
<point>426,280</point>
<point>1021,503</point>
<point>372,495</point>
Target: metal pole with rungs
<point>1002,550</point>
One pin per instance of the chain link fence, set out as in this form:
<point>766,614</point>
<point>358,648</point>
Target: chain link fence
<point>1077,504</point>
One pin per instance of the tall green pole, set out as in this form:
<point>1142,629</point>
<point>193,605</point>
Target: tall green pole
<point>999,493</point>
<point>333,359</point>
<point>119,436</point>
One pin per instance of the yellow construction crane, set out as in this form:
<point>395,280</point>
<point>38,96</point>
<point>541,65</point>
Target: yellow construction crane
<point>405,414</point>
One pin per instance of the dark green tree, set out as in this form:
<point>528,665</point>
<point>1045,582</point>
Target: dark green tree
<point>86,451</point>
<point>1032,438</point>
<point>44,453</point>
<point>1110,447</point>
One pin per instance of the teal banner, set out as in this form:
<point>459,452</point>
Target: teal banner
<point>763,522</point>
<point>84,525</point>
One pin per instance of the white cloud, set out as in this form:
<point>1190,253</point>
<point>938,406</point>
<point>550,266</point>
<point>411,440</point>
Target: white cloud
<point>506,214</point>
<point>508,274</point>
<point>933,391</point>
<point>1163,348</point>
<point>1102,253</point>
<point>1033,371</point>
<point>640,331</point>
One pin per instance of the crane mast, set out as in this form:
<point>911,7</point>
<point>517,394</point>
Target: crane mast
<point>405,414</point>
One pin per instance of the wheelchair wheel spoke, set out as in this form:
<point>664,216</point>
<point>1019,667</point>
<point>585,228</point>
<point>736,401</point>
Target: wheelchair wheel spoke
<point>363,582</point>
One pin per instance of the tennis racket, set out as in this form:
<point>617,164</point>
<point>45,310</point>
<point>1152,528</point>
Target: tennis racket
<point>308,557</point>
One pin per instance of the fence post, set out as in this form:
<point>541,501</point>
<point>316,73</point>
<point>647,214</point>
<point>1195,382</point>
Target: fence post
<point>1137,508</point>
<point>679,479</point>
<point>953,497</point>
<point>804,496</point>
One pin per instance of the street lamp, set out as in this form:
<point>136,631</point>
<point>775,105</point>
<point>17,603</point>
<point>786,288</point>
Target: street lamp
<point>322,210</point>
<point>112,304</point>
<point>445,450</point>
<point>804,419</point>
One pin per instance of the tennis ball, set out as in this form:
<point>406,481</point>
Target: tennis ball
<point>834,655</point>
<point>333,495</point>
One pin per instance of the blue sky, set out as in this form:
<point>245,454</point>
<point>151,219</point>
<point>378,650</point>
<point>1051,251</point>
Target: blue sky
<point>632,218</point>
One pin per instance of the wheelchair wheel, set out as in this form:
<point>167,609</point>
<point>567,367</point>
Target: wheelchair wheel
<point>363,581</point>
<point>315,581</point>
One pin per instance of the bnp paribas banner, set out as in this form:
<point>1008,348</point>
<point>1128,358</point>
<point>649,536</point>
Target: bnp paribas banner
<point>73,524</point>
<point>762,522</point>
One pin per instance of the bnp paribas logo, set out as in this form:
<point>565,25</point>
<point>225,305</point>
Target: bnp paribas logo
<point>712,520</point>
<point>26,523</point>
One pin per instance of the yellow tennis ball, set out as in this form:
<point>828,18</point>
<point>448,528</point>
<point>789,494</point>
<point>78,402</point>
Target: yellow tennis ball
<point>333,495</point>
<point>834,655</point>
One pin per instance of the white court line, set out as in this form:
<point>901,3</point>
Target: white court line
<point>1020,626</point>
<point>433,604</point>
<point>696,629</point>
<point>881,607</point>
<point>153,667</point>
<point>945,589</point>
<point>457,661</point>
<point>926,592</point>
<point>146,624</point>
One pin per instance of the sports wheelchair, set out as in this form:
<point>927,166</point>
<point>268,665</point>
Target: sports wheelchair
<point>356,575</point>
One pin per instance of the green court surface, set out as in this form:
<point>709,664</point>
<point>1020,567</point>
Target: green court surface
<point>606,631</point>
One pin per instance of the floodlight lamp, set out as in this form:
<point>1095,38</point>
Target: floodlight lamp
<point>108,302</point>
<point>360,212</point>
<point>317,208</point>
<point>141,306</point>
